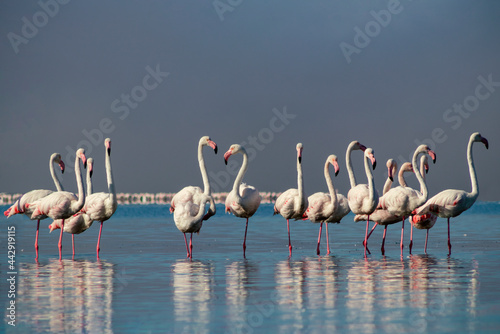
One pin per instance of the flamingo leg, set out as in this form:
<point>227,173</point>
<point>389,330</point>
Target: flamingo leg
<point>187,248</point>
<point>99,241</point>
<point>245,239</point>
<point>60,240</point>
<point>327,241</point>
<point>426,238</point>
<point>366,233</point>
<point>289,242</point>
<point>319,237</point>
<point>449,241</point>
<point>191,245</point>
<point>402,234</point>
<point>411,236</point>
<point>383,240</point>
<point>36,238</point>
<point>73,243</point>
<point>368,237</point>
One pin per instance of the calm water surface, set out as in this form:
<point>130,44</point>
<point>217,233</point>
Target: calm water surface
<point>144,284</point>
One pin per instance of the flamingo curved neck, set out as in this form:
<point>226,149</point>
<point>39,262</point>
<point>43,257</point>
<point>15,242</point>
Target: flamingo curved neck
<point>371,183</point>
<point>331,189</point>
<point>401,178</point>
<point>348,163</point>
<point>241,173</point>
<point>57,182</point>
<point>422,170</point>
<point>300,186</point>
<point>421,181</point>
<point>79,181</point>
<point>472,170</point>
<point>203,169</point>
<point>111,183</point>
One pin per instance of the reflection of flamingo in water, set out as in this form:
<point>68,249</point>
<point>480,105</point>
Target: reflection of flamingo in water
<point>22,204</point>
<point>363,198</point>
<point>328,207</point>
<point>427,220</point>
<point>62,204</point>
<point>292,203</point>
<point>451,202</point>
<point>80,221</point>
<point>244,200</point>
<point>188,205</point>
<point>401,201</point>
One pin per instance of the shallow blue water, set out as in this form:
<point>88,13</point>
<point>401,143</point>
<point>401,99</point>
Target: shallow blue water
<point>144,284</point>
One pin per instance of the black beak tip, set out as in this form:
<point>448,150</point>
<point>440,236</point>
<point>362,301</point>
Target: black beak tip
<point>85,164</point>
<point>374,165</point>
<point>91,173</point>
<point>391,178</point>
<point>225,161</point>
<point>336,173</point>
<point>109,151</point>
<point>300,160</point>
<point>215,150</point>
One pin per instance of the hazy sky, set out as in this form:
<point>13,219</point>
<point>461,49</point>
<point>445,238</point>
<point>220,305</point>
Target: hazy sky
<point>155,76</point>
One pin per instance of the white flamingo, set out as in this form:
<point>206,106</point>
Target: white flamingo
<point>292,203</point>
<point>381,216</point>
<point>363,198</point>
<point>401,201</point>
<point>188,205</point>
<point>328,207</point>
<point>101,206</point>
<point>80,221</point>
<point>244,200</point>
<point>425,221</point>
<point>451,202</point>
<point>62,204</point>
<point>20,206</point>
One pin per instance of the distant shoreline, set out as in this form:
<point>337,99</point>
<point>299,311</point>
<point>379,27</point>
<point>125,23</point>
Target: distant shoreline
<point>150,198</point>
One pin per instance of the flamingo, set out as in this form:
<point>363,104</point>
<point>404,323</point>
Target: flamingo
<point>328,207</point>
<point>62,204</point>
<point>362,198</point>
<point>244,200</point>
<point>401,201</point>
<point>80,221</point>
<point>22,204</point>
<point>451,202</point>
<point>188,205</point>
<point>101,206</point>
<point>293,202</point>
<point>381,216</point>
<point>425,221</point>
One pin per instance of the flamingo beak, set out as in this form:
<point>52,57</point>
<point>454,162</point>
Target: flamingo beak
<point>227,155</point>
<point>336,167</point>
<point>62,166</point>
<point>426,166</point>
<point>299,155</point>
<point>213,145</point>
<point>433,155</point>
<point>84,160</point>
<point>374,162</point>
<point>484,141</point>
<point>391,176</point>
<point>91,170</point>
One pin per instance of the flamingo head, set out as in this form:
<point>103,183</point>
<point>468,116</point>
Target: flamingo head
<point>81,155</point>
<point>58,159</point>
<point>299,152</point>
<point>90,166</point>
<point>356,145</point>
<point>477,137</point>
<point>332,159</point>
<point>205,140</point>
<point>392,166</point>
<point>107,144</point>
<point>369,154</point>
<point>406,167</point>
<point>53,226</point>
<point>235,148</point>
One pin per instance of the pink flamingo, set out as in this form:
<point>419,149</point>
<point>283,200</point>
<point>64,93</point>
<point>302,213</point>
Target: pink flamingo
<point>188,205</point>
<point>62,204</point>
<point>22,204</point>
<point>425,221</point>
<point>328,207</point>
<point>80,221</point>
<point>401,201</point>
<point>363,198</point>
<point>292,203</point>
<point>101,206</point>
<point>244,200</point>
<point>381,216</point>
<point>451,202</point>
